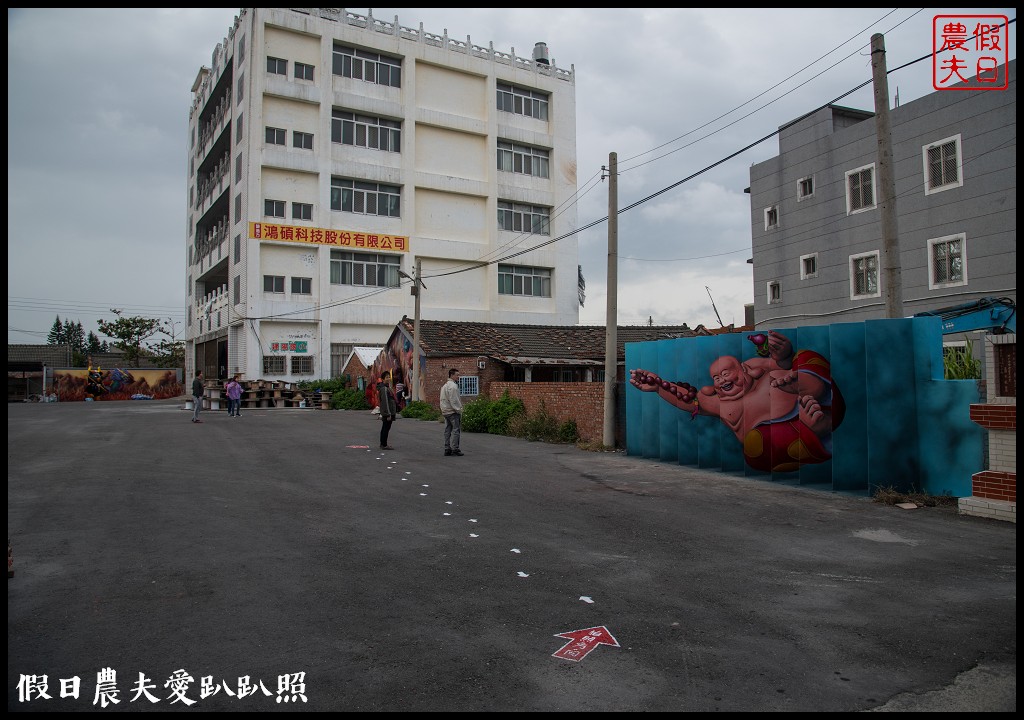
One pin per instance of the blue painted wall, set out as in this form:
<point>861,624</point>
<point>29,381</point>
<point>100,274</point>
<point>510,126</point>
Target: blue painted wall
<point>904,426</point>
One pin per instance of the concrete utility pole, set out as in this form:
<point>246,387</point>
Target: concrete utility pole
<point>886,183</point>
<point>417,284</point>
<point>611,361</point>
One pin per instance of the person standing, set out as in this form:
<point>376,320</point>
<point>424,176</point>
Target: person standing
<point>388,408</point>
<point>451,408</point>
<point>197,396</point>
<point>234,390</point>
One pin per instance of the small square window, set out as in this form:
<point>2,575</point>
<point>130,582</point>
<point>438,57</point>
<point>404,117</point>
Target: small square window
<point>273,284</point>
<point>947,261</point>
<point>771,217</point>
<point>275,136</point>
<point>277,66</point>
<point>469,385</point>
<point>804,188</point>
<point>273,364</point>
<point>809,266</point>
<point>864,276</point>
<point>273,208</point>
<point>774,292</point>
<point>303,71</point>
<point>302,211</point>
<point>943,165</point>
<point>302,286</point>
<point>860,189</point>
<point>302,364</point>
<point>302,140</point>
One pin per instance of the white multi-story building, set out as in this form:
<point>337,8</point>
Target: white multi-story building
<point>332,155</point>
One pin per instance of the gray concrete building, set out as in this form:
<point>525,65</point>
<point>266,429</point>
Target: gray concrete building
<point>817,243</point>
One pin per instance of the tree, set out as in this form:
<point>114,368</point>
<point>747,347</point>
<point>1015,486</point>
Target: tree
<point>129,334</point>
<point>74,335</point>
<point>56,336</point>
<point>93,346</point>
<point>170,353</point>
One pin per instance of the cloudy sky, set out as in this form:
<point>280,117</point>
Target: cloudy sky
<point>98,102</point>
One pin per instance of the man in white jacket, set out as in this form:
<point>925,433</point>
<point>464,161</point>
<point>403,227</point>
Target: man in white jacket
<point>451,408</point>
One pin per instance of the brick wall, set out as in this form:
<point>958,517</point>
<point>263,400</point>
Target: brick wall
<point>995,485</point>
<point>999,416</point>
<point>582,402</point>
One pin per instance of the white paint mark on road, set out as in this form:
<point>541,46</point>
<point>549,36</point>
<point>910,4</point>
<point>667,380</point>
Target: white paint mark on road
<point>522,574</point>
<point>587,599</point>
<point>883,536</point>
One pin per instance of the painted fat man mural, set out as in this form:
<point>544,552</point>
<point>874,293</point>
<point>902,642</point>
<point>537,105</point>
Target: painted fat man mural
<point>851,407</point>
<point>781,405</point>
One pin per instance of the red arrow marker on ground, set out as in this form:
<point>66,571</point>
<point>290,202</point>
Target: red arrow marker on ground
<point>581,642</point>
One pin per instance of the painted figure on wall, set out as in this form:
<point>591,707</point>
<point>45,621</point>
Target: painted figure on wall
<point>781,406</point>
<point>94,383</point>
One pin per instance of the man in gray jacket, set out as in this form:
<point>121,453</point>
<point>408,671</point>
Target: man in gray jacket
<point>451,408</point>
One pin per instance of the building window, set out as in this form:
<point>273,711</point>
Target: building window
<point>864,276</point>
<point>771,217</point>
<point>302,140</point>
<point>808,266</point>
<point>238,168</point>
<point>339,354</point>
<point>236,289</point>
<point>860,189</point>
<point>276,136</point>
<point>774,292</point>
<point>273,284</point>
<point>373,269</point>
<point>302,364</point>
<point>241,87</point>
<point>366,131</point>
<point>520,280</point>
<point>302,211</point>
<point>525,159</point>
<point>947,261</point>
<point>804,188</point>
<point>241,48</point>
<point>273,364</point>
<point>302,286</point>
<point>238,129</point>
<point>238,208</point>
<point>238,248</point>
<point>469,385</point>
<point>366,198</point>
<point>277,66</point>
<point>368,66</point>
<point>943,165</point>
<point>523,218</point>
<point>273,208</point>
<point>521,101</point>
<point>303,71</point>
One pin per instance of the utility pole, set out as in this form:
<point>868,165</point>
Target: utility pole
<point>886,183</point>
<point>611,360</point>
<point>417,283</point>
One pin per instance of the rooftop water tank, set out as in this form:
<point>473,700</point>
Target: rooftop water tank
<point>540,54</point>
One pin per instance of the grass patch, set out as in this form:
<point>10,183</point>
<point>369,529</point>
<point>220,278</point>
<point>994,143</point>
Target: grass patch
<point>892,496</point>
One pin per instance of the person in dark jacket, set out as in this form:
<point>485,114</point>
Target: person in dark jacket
<point>197,396</point>
<point>388,408</point>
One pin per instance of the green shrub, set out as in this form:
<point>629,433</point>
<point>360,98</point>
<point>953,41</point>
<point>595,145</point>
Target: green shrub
<point>349,399</point>
<point>475,414</point>
<point>959,363</point>
<point>420,410</point>
<point>331,385</point>
<point>501,412</point>
<point>568,432</point>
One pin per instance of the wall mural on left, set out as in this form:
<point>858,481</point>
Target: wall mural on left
<point>96,383</point>
<point>782,406</point>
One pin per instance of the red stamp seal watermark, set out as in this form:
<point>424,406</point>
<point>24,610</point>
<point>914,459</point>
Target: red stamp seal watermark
<point>970,52</point>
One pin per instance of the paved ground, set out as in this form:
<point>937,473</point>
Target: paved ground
<point>251,550</point>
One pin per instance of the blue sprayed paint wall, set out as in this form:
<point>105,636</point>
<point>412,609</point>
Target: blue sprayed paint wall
<point>904,426</point>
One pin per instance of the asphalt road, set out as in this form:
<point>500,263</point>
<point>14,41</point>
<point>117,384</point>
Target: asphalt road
<point>277,552</point>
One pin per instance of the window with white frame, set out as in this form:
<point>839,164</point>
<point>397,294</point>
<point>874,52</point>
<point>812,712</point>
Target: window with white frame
<point>522,280</point>
<point>277,66</point>
<point>273,284</point>
<point>771,217</point>
<point>302,140</point>
<point>947,261</point>
<point>368,66</point>
<point>804,188</point>
<point>368,131</point>
<point>808,266</point>
<point>525,159</point>
<point>513,99</point>
<point>518,217</point>
<point>774,292</point>
<point>276,136</point>
<point>864,276</point>
<point>860,189</point>
<point>302,364</point>
<point>302,286</point>
<point>303,71</point>
<point>339,354</point>
<point>943,165</point>
<point>302,211</point>
<point>469,385</point>
<point>366,198</point>
<point>273,208</point>
<point>273,364</point>
<point>371,269</point>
